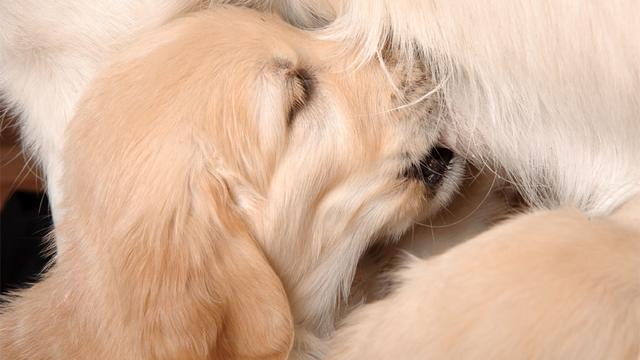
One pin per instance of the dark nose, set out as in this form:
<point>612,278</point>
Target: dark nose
<point>434,165</point>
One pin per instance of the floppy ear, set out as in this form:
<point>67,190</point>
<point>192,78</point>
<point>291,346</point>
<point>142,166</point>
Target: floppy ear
<point>157,261</point>
<point>197,284</point>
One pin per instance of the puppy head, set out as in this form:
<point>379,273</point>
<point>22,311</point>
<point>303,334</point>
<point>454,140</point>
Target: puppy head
<point>226,134</point>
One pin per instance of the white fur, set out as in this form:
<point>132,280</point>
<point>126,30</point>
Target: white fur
<point>545,89</point>
<point>48,53</point>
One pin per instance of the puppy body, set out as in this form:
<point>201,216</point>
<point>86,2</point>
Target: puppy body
<point>548,285</point>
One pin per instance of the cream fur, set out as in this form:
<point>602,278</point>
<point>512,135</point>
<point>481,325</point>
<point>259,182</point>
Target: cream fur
<point>221,136</point>
<point>544,89</point>
<point>549,285</point>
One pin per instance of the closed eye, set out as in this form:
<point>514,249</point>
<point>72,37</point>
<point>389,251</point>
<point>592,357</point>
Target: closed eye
<point>300,88</point>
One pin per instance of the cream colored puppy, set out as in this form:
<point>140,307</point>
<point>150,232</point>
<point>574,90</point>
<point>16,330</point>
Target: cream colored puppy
<point>222,136</point>
<point>549,285</point>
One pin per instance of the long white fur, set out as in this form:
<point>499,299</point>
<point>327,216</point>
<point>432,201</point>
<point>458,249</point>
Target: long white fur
<point>547,90</point>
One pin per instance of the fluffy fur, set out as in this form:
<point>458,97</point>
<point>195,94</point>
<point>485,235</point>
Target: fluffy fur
<point>549,285</point>
<point>216,138</point>
<point>545,90</point>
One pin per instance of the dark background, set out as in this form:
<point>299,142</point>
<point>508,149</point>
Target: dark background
<point>25,219</point>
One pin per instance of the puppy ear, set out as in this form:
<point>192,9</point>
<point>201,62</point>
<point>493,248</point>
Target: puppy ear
<point>157,263</point>
<point>257,322</point>
<point>198,284</point>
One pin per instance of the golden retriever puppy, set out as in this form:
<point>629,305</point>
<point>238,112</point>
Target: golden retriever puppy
<point>549,285</point>
<point>221,137</point>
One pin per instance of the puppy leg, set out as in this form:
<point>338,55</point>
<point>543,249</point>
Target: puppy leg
<point>549,285</point>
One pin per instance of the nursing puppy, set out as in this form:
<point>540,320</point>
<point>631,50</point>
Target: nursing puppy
<point>221,136</point>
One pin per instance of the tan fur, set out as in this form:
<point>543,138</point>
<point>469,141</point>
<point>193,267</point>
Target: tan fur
<point>196,152</point>
<point>549,285</point>
<point>159,266</point>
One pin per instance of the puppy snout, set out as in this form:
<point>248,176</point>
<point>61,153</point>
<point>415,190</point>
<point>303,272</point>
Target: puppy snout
<point>432,168</point>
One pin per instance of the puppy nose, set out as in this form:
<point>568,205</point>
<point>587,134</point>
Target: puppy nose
<point>435,165</point>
